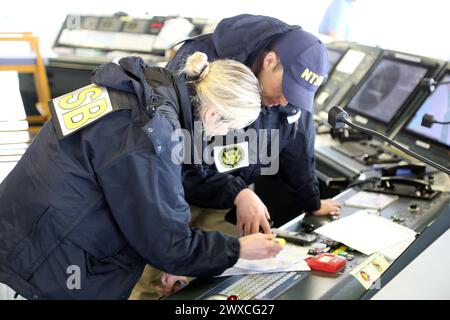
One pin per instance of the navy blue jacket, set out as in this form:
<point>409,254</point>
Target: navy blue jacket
<point>242,38</point>
<point>107,199</point>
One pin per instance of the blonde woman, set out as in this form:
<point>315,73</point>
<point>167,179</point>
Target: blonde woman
<point>97,195</point>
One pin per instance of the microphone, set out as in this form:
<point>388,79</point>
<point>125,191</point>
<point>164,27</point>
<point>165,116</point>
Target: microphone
<point>431,84</point>
<point>337,118</point>
<point>428,120</point>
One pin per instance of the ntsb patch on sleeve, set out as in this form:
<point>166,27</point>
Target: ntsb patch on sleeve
<point>77,109</point>
<point>231,157</point>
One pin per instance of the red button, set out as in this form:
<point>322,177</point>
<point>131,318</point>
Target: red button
<point>233,297</point>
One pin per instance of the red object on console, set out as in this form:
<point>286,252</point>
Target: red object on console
<point>326,262</point>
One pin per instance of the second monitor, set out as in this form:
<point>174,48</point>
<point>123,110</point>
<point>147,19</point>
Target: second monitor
<point>389,88</point>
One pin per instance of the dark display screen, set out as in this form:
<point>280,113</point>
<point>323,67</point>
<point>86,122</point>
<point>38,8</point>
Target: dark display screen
<point>333,57</point>
<point>437,105</point>
<point>386,89</point>
<point>110,24</point>
<point>90,23</point>
<point>136,26</point>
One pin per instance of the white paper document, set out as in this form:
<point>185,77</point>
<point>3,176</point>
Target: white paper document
<point>370,200</point>
<point>12,105</point>
<point>5,169</point>
<point>397,249</point>
<point>366,232</point>
<point>291,258</point>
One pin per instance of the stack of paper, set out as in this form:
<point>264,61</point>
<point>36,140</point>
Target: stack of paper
<point>397,249</point>
<point>12,106</point>
<point>14,134</point>
<point>367,232</point>
<point>5,169</point>
<point>291,258</point>
<point>370,200</point>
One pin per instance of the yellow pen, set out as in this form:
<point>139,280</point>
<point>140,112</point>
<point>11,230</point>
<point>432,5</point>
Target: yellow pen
<point>280,241</point>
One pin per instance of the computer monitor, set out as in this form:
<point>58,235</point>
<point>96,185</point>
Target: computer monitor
<point>437,105</point>
<point>347,74</point>
<point>112,24</point>
<point>334,55</point>
<point>90,23</point>
<point>136,26</point>
<point>432,142</point>
<point>386,90</point>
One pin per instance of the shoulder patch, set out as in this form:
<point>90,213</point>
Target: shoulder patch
<point>77,109</point>
<point>231,157</point>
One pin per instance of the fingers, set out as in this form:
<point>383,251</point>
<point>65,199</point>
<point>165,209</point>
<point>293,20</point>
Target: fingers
<point>265,226</point>
<point>162,290</point>
<point>169,284</point>
<point>179,283</point>
<point>271,248</point>
<point>248,228</point>
<point>328,207</point>
<point>269,236</point>
<point>240,226</point>
<point>267,214</point>
<point>164,279</point>
<point>335,208</point>
<point>259,246</point>
<point>254,228</point>
<point>175,283</point>
<point>333,204</point>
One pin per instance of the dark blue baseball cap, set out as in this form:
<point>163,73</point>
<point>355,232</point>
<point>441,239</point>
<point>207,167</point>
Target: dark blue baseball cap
<point>305,65</point>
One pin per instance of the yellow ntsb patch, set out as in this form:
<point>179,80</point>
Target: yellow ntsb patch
<point>77,109</point>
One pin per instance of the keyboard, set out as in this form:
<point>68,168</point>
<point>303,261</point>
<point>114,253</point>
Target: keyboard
<point>261,286</point>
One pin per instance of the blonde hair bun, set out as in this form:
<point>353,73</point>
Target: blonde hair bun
<point>197,65</point>
<point>226,85</point>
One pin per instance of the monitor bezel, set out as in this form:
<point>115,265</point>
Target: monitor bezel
<point>342,52</point>
<point>437,151</point>
<point>57,44</point>
<point>367,50</point>
<point>138,20</point>
<point>120,23</point>
<point>432,66</point>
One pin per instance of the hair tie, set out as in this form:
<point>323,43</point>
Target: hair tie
<point>202,74</point>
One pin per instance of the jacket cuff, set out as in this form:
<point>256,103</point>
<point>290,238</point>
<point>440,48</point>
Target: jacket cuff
<point>235,186</point>
<point>310,205</point>
<point>235,249</point>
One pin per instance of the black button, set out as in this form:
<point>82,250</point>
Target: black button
<point>151,109</point>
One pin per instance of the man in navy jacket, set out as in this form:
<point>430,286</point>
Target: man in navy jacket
<point>290,65</point>
<point>271,48</point>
